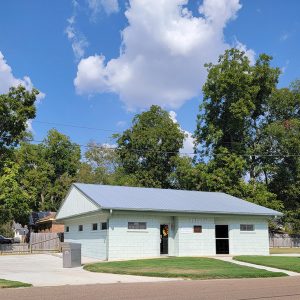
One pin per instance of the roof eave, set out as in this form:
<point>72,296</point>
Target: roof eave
<point>194,212</point>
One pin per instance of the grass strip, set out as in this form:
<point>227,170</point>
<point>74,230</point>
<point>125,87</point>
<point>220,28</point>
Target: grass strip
<point>181,267</point>
<point>290,263</point>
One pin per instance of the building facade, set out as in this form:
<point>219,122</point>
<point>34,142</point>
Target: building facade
<point>110,228</point>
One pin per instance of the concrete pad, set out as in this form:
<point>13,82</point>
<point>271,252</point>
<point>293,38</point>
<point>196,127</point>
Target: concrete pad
<point>47,270</point>
<point>229,259</point>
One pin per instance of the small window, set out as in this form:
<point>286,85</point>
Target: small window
<point>67,229</point>
<point>94,226</point>
<point>197,229</point>
<point>137,225</point>
<point>246,227</point>
<point>103,226</point>
<point>80,227</point>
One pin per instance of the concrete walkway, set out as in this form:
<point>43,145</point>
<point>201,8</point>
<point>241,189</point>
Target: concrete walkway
<point>47,270</point>
<point>229,259</point>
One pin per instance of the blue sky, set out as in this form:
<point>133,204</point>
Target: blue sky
<point>99,62</point>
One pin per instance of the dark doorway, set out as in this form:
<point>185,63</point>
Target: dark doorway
<point>222,239</point>
<point>164,236</point>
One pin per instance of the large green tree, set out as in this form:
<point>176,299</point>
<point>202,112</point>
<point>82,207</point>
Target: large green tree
<point>16,108</point>
<point>258,124</point>
<point>147,150</point>
<point>236,95</point>
<point>48,169</point>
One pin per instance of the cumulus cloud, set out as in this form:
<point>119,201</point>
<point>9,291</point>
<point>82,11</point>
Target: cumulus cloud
<point>248,52</point>
<point>163,50</point>
<point>7,79</point>
<point>188,143</point>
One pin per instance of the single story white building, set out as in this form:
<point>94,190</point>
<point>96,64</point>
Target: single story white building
<point>118,222</point>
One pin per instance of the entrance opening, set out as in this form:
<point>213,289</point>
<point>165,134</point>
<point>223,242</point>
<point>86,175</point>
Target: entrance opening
<point>222,239</point>
<point>164,236</point>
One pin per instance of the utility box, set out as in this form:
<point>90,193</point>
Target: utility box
<point>71,255</point>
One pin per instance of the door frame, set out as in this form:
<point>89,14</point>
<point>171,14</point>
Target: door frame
<point>222,238</point>
<point>164,241</point>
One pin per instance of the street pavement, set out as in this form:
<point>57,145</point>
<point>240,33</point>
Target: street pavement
<point>287,288</point>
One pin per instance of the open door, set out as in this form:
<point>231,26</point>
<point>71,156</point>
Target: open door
<point>164,237</point>
<point>222,239</point>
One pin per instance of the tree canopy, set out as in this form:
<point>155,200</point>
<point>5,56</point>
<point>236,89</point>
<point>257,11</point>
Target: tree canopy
<point>147,150</point>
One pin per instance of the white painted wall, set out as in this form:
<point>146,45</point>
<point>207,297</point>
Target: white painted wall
<point>75,203</point>
<point>93,243</point>
<point>196,244</point>
<point>125,243</point>
<point>246,243</point>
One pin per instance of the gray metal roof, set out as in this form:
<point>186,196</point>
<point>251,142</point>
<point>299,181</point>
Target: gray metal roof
<point>152,199</point>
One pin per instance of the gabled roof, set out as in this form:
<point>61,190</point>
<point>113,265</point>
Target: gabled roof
<point>168,200</point>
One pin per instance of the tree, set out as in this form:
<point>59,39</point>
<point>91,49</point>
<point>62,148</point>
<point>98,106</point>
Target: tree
<point>239,104</point>
<point>48,169</point>
<point>16,108</point>
<point>147,149</point>
<point>61,153</point>
<point>235,99</point>
<point>36,173</point>
<point>14,200</point>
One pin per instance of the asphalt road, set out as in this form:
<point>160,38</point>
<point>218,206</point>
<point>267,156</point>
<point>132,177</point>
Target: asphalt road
<point>229,289</point>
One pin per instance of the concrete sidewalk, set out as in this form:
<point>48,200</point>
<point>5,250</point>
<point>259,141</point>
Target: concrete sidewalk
<point>229,259</point>
<point>47,270</point>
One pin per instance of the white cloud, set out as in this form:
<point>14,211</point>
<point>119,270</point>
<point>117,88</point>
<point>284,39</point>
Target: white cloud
<point>188,143</point>
<point>8,80</point>
<point>29,126</point>
<point>163,52</point>
<point>78,40</point>
<point>96,6</point>
<point>248,52</point>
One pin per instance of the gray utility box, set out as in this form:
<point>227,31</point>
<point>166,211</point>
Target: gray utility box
<point>71,255</point>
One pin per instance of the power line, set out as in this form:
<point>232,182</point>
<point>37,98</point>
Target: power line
<point>183,153</point>
<point>149,150</point>
<point>75,126</point>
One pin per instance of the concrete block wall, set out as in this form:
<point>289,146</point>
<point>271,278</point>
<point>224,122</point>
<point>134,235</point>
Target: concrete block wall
<point>129,243</point>
<point>93,243</point>
<point>247,242</point>
<point>195,244</point>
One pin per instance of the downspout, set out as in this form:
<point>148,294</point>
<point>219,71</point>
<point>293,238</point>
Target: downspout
<point>107,234</point>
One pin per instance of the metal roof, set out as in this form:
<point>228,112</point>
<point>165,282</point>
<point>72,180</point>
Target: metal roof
<point>153,199</point>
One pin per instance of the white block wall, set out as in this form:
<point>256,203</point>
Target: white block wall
<point>124,243</point>
<point>195,244</point>
<point>247,242</point>
<point>93,243</point>
<point>127,243</point>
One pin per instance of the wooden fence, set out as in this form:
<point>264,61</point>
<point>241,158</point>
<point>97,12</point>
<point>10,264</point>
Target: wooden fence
<point>39,243</point>
<point>14,248</point>
<point>44,242</point>
<point>284,241</point>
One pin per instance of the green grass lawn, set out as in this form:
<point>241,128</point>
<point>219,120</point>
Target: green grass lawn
<point>284,250</point>
<point>183,267</point>
<point>281,262</point>
<point>12,284</point>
